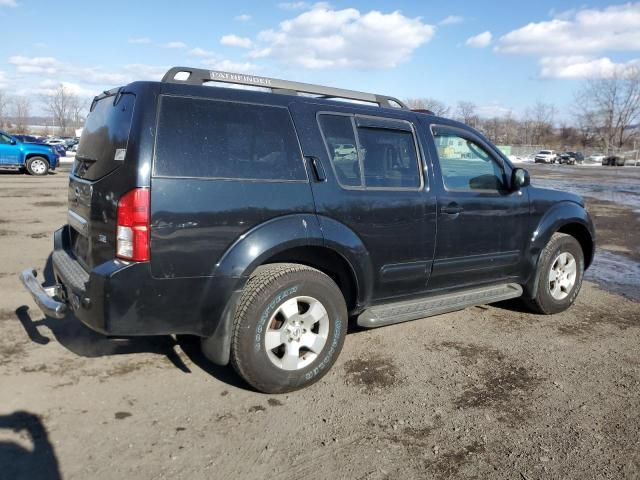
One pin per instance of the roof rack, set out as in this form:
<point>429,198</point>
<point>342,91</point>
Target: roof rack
<point>199,76</point>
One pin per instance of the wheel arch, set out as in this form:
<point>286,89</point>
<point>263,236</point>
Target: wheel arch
<point>318,242</point>
<point>564,217</point>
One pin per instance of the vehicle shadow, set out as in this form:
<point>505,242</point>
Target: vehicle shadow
<point>190,345</point>
<point>18,462</point>
<point>81,340</point>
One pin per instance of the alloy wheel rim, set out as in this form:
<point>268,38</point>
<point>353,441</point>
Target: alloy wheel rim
<point>38,166</point>
<point>562,275</point>
<point>296,333</point>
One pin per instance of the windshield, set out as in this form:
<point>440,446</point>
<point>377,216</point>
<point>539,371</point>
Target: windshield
<point>545,152</point>
<point>103,144</point>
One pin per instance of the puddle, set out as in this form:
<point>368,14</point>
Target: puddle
<point>616,273</point>
<point>623,191</point>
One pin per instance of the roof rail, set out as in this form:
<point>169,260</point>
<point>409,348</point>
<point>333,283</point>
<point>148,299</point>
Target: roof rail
<point>199,76</point>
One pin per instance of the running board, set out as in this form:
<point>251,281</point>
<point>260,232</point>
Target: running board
<point>391,313</point>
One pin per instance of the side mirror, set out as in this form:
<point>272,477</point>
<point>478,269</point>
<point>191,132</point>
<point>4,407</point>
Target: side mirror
<point>12,141</point>
<point>519,178</point>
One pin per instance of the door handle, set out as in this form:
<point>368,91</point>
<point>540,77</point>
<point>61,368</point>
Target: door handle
<point>318,169</point>
<point>451,209</point>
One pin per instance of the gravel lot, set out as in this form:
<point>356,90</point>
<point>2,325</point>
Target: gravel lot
<point>489,392</point>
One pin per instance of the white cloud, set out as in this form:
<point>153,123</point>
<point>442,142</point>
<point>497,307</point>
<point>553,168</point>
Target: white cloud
<point>139,40</point>
<point>229,66</point>
<point>8,3</point>
<point>481,40</point>
<point>491,110</point>
<point>572,44</point>
<point>580,67</point>
<point>200,52</point>
<point>294,5</point>
<point>175,45</point>
<point>23,64</point>
<point>326,38</point>
<point>236,41</point>
<point>587,31</point>
<point>451,20</point>
<point>243,18</point>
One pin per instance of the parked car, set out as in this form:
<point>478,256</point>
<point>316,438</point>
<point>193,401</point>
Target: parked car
<point>571,158</point>
<point>239,216</point>
<point>35,158</point>
<point>58,145</point>
<point>595,158</point>
<point>546,156</point>
<point>613,161</point>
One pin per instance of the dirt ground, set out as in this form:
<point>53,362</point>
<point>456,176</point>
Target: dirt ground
<point>489,392</point>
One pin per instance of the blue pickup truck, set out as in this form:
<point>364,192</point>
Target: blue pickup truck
<point>35,158</point>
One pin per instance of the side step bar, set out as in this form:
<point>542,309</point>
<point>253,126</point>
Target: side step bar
<point>404,311</point>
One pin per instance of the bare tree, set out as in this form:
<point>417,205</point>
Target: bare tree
<point>467,113</point>
<point>78,109</point>
<point>59,105</point>
<point>542,115</point>
<point>21,109</point>
<point>4,102</point>
<point>612,106</point>
<point>436,106</point>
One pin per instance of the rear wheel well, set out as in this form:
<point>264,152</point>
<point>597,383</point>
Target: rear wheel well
<point>328,262</point>
<point>582,235</point>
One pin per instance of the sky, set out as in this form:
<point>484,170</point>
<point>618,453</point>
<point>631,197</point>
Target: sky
<point>501,55</point>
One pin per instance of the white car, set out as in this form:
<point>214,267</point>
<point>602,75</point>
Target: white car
<point>546,156</point>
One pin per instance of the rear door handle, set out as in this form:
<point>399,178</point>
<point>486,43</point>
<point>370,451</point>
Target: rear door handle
<point>451,209</point>
<point>318,169</point>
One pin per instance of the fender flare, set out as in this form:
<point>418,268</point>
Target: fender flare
<point>561,214</point>
<point>274,236</point>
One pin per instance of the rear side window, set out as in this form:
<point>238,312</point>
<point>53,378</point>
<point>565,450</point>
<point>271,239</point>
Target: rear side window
<point>214,139</point>
<point>341,145</point>
<point>370,152</point>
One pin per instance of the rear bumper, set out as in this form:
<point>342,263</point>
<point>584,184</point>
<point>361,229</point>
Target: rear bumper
<point>120,298</point>
<point>45,298</point>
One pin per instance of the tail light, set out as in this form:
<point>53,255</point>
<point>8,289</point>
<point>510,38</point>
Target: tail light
<point>132,239</point>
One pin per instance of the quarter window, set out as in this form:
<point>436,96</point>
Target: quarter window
<point>214,139</point>
<point>341,145</point>
<point>371,155</point>
<point>466,165</point>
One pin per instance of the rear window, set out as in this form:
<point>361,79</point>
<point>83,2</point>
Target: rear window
<point>215,139</point>
<point>105,135</point>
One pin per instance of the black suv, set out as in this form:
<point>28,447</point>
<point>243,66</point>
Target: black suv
<point>571,158</point>
<point>262,221</point>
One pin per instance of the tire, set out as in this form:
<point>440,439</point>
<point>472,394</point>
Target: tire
<point>38,166</point>
<point>273,305</point>
<point>556,296</point>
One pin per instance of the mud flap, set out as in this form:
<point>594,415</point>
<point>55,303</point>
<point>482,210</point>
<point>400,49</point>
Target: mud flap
<point>217,347</point>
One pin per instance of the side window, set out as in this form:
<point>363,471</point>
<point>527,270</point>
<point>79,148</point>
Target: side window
<point>465,165</point>
<point>213,139</point>
<point>341,146</point>
<point>387,157</point>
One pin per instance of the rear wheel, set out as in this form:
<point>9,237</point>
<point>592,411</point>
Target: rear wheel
<point>37,166</point>
<point>560,272</point>
<point>289,327</point>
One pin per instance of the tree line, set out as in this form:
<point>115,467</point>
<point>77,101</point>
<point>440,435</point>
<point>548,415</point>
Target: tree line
<point>65,110</point>
<point>605,115</point>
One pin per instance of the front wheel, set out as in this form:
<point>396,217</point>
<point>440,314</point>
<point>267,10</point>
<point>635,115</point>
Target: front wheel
<point>289,327</point>
<point>38,166</point>
<point>560,272</point>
